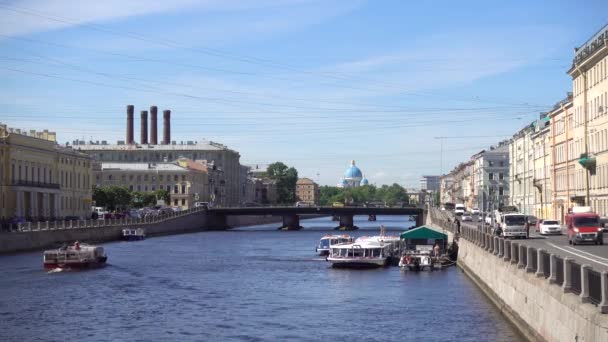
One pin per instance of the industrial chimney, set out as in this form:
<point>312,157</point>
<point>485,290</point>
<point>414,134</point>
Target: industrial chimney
<point>144,127</point>
<point>153,125</point>
<point>130,110</point>
<point>166,127</point>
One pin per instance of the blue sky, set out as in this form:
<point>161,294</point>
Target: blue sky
<point>312,83</point>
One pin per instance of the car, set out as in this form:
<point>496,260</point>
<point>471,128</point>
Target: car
<point>467,217</point>
<point>475,211</point>
<point>489,219</point>
<point>550,227</point>
<point>532,220</point>
<point>201,204</point>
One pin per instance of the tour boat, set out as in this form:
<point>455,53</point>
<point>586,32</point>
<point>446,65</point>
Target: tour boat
<point>76,256</point>
<point>133,234</point>
<point>366,252</point>
<point>327,241</point>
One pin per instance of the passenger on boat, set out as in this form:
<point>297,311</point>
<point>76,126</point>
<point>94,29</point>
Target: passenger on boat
<point>77,245</point>
<point>436,250</point>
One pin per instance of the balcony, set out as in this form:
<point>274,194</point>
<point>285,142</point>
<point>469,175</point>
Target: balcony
<point>35,184</point>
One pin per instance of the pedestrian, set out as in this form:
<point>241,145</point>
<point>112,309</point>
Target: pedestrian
<point>436,250</point>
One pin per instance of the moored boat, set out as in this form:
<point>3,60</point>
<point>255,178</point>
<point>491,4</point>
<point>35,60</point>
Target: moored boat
<point>365,252</point>
<point>327,241</point>
<point>76,256</point>
<point>133,234</point>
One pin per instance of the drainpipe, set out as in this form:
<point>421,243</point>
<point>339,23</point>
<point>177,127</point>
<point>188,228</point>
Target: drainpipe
<point>586,118</point>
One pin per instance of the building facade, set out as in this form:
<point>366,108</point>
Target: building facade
<point>185,183</point>
<point>307,191</point>
<point>41,180</point>
<point>562,156</point>
<point>429,183</point>
<point>589,74</point>
<point>153,150</point>
<point>491,177</point>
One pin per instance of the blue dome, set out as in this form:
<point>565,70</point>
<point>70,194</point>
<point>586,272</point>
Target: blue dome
<point>344,182</point>
<point>353,171</point>
<point>364,182</point>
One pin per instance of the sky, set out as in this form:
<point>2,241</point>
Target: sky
<point>405,88</point>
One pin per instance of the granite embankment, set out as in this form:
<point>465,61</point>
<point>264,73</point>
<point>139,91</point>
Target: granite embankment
<point>547,300</point>
<point>35,236</point>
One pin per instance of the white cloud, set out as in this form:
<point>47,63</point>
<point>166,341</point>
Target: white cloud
<point>29,16</point>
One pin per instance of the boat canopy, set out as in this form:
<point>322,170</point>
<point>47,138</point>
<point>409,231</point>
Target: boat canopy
<point>423,233</point>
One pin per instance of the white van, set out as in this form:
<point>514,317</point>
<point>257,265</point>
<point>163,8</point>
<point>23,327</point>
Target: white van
<point>201,204</point>
<point>459,209</point>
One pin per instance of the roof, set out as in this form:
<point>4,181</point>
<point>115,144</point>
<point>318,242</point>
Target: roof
<point>423,232</point>
<point>142,167</point>
<point>198,146</point>
<point>305,181</point>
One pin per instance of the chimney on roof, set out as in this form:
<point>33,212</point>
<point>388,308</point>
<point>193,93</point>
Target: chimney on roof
<point>153,125</point>
<point>166,127</point>
<point>144,127</point>
<point>130,110</point>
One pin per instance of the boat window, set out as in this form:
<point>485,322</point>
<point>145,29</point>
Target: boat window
<point>324,243</point>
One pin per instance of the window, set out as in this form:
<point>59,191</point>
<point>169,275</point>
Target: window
<point>160,178</point>
<point>145,178</point>
<point>490,176</point>
<point>501,176</point>
<point>176,189</point>
<point>490,163</point>
<point>183,201</point>
<point>175,178</point>
<point>183,189</point>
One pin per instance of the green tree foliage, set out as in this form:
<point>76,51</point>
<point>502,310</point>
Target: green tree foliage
<point>389,195</point>
<point>286,178</point>
<point>112,197</point>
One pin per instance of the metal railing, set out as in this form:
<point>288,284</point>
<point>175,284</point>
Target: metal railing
<point>79,224</point>
<point>590,285</point>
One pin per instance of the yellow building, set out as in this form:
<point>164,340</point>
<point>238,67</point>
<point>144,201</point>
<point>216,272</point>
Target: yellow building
<point>186,181</point>
<point>562,156</point>
<point>40,179</point>
<point>589,74</point>
<point>307,190</point>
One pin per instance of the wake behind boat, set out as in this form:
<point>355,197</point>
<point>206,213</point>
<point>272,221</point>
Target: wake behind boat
<point>76,256</point>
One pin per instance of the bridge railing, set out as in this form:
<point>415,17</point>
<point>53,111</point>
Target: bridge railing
<point>28,227</point>
<point>590,285</point>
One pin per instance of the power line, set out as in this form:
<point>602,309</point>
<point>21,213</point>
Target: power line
<point>208,51</point>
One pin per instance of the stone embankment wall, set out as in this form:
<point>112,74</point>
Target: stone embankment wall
<point>538,296</point>
<point>36,236</point>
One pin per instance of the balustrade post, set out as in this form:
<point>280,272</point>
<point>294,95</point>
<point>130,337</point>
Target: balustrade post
<point>482,242</point>
<point>514,250</point>
<point>520,260</point>
<point>501,247</point>
<point>507,250</point>
<point>553,269</point>
<point>529,257</point>
<point>38,225</point>
<point>603,306</point>
<point>540,265</point>
<point>567,286</point>
<point>47,225</point>
<point>585,283</point>
<point>496,243</point>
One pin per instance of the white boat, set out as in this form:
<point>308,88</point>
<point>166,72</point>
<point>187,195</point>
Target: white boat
<point>327,241</point>
<point>366,252</point>
<point>76,256</point>
<point>418,261</point>
<point>133,234</point>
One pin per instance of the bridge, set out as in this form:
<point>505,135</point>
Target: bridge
<point>291,215</point>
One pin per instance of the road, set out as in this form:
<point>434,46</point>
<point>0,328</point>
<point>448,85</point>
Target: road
<point>594,255</point>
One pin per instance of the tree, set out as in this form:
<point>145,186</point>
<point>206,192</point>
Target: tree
<point>285,178</point>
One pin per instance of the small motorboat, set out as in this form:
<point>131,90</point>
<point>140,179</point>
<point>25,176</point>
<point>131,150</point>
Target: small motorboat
<point>76,256</point>
<point>418,261</point>
<point>133,234</point>
<point>327,241</point>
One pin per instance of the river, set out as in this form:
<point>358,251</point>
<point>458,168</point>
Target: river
<point>247,284</point>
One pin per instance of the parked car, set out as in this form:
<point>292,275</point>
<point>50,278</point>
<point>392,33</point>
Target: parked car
<point>201,204</point>
<point>467,217</point>
<point>532,220</point>
<point>475,211</point>
<point>549,227</point>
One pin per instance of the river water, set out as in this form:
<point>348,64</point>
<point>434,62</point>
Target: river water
<point>248,284</point>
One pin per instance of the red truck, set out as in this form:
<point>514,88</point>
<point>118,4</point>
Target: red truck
<point>583,225</point>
